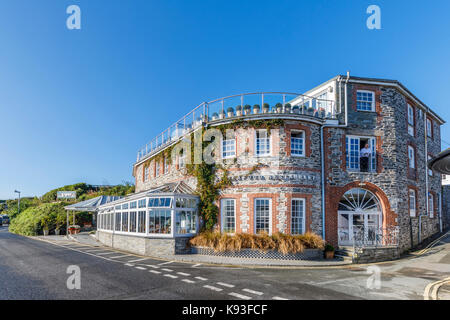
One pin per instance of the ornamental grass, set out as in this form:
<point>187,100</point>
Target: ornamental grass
<point>283,243</point>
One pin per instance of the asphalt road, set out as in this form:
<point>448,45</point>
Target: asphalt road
<point>34,269</point>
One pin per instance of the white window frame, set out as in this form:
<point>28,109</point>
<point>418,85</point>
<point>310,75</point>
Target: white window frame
<point>303,218</point>
<point>225,152</point>
<point>372,102</point>
<point>411,123</point>
<point>430,205</point>
<point>270,214</point>
<point>303,140</point>
<point>146,172</point>
<point>373,157</point>
<point>157,168</point>
<point>412,204</point>
<point>166,166</point>
<point>429,128</point>
<point>223,216</point>
<point>182,160</point>
<point>268,137</point>
<point>411,160</point>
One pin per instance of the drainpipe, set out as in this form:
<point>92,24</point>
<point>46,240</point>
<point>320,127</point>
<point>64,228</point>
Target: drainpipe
<point>339,80</point>
<point>426,174</point>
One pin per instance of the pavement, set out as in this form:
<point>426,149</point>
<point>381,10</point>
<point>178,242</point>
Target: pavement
<point>36,268</point>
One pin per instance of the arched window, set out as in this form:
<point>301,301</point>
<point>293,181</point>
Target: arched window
<point>359,216</point>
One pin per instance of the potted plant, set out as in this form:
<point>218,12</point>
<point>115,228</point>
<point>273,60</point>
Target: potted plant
<point>256,108</point>
<point>221,114</point>
<point>279,107</point>
<point>296,110</point>
<point>311,111</point>
<point>230,112</point>
<point>74,229</point>
<point>329,251</point>
<point>45,222</point>
<point>287,108</point>
<point>247,109</point>
<point>266,108</point>
<point>215,116</point>
<point>303,109</point>
<point>238,111</point>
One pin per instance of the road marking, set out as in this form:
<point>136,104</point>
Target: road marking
<point>196,265</point>
<point>259,293</point>
<point>183,274</point>
<point>279,298</point>
<point>105,253</point>
<point>141,268</point>
<point>154,271</point>
<point>161,264</point>
<point>168,270</point>
<point>121,256</point>
<point>138,260</point>
<point>188,281</point>
<point>432,244</point>
<point>129,265</point>
<point>170,276</point>
<point>434,287</point>
<point>152,266</point>
<point>225,284</point>
<point>212,288</point>
<point>95,250</point>
<point>240,296</point>
<point>201,278</point>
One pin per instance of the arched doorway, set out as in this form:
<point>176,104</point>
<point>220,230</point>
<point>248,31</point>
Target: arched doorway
<point>359,216</point>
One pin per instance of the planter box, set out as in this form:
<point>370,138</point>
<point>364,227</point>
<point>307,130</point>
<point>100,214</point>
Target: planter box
<point>308,254</point>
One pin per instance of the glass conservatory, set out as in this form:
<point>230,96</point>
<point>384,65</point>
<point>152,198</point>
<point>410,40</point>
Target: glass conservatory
<point>152,215</point>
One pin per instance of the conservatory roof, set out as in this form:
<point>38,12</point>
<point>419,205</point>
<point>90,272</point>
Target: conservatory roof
<point>91,204</point>
<point>174,188</point>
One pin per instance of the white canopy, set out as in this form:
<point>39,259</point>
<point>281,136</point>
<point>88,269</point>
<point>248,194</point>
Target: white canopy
<point>91,205</point>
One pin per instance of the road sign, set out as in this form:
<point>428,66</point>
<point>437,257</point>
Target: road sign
<point>66,195</point>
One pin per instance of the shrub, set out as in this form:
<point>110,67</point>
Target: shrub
<point>329,247</point>
<point>230,109</point>
<point>263,242</point>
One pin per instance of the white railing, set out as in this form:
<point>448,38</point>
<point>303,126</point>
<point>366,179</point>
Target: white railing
<point>240,105</point>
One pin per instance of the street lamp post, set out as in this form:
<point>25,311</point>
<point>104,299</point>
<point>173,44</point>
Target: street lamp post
<point>18,202</point>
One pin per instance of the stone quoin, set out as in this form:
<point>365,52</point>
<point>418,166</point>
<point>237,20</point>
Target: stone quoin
<point>295,163</point>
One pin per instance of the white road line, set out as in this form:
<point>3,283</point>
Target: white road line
<point>183,274</point>
<point>188,281</point>
<point>129,265</point>
<point>95,250</point>
<point>212,288</point>
<point>240,296</point>
<point>259,293</point>
<point>152,266</point>
<point>225,284</point>
<point>279,298</point>
<point>201,278</point>
<point>196,265</point>
<point>140,268</point>
<point>154,271</point>
<point>161,264</point>
<point>136,260</point>
<point>170,276</point>
<point>105,253</point>
<point>121,256</point>
<point>168,270</point>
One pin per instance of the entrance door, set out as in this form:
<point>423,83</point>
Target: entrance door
<point>359,217</point>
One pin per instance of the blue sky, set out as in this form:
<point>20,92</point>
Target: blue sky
<point>76,105</point>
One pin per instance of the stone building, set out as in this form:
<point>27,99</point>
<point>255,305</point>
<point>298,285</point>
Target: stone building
<point>346,160</point>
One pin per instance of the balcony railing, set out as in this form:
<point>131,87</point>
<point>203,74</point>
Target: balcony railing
<point>241,105</point>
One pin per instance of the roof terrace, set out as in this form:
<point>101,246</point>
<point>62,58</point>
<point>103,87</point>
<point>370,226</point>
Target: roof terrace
<point>237,107</point>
